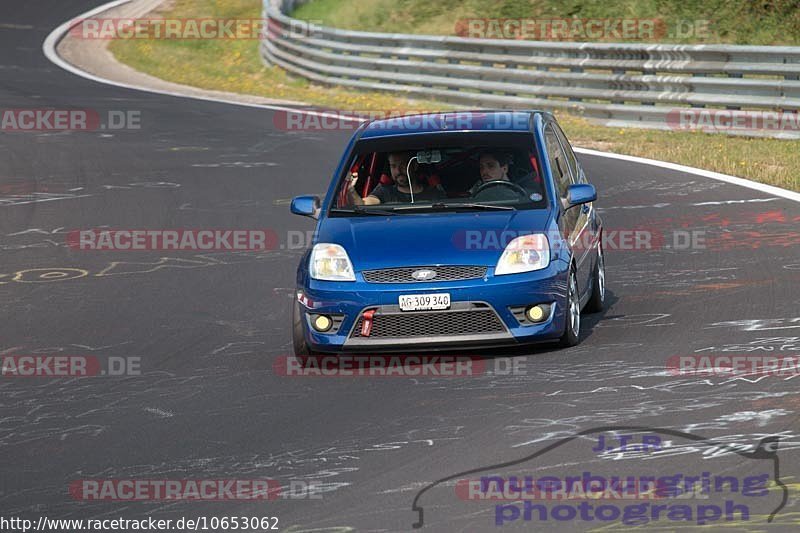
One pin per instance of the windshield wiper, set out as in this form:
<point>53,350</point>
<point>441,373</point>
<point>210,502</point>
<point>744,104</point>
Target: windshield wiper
<point>363,211</point>
<point>455,205</point>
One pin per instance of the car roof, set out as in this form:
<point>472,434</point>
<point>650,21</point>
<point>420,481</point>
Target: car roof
<point>451,122</point>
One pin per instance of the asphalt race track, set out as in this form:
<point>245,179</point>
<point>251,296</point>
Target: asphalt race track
<point>207,327</point>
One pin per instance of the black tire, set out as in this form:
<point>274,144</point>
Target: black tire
<point>572,314</point>
<point>301,348</point>
<point>598,299</point>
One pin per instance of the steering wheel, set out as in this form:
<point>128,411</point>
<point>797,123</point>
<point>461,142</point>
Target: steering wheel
<point>502,183</point>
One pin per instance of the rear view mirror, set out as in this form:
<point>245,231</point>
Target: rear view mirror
<point>307,206</point>
<point>429,156</point>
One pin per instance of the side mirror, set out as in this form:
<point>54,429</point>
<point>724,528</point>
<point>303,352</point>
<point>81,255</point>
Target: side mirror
<point>580,193</point>
<point>307,206</point>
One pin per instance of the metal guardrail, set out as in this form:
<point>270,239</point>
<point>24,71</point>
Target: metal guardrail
<point>631,85</point>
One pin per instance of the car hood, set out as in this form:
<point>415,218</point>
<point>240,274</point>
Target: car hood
<point>474,238</point>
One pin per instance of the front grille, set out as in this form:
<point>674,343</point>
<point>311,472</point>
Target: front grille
<point>443,273</point>
<point>433,323</point>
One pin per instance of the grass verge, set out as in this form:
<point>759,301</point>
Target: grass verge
<point>772,22</point>
<point>235,66</point>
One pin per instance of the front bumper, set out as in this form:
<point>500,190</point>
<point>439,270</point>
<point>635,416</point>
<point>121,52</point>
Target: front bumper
<point>468,322</point>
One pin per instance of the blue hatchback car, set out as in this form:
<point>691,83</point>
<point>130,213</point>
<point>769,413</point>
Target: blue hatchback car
<point>450,231</point>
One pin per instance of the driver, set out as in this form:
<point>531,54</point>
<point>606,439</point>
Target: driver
<point>493,166</point>
<point>399,191</point>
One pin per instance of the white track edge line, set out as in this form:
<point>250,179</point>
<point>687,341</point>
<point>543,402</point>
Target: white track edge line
<point>742,182</point>
<point>52,40</point>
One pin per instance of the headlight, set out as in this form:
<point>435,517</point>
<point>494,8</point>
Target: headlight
<point>329,262</point>
<point>524,254</point>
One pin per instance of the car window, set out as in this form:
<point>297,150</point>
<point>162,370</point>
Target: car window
<point>563,178</point>
<point>558,163</point>
<point>572,161</point>
<point>500,176</point>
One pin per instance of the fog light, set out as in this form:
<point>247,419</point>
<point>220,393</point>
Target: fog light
<point>321,323</point>
<point>535,313</point>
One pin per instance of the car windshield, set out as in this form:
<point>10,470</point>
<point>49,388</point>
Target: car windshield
<point>440,178</point>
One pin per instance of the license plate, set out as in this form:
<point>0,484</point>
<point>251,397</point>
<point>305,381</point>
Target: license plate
<point>424,302</point>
